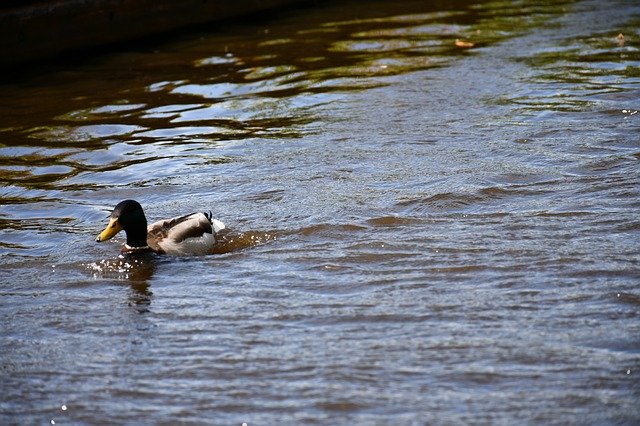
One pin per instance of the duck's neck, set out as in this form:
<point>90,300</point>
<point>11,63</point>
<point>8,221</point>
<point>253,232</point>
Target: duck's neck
<point>137,237</point>
<point>135,226</point>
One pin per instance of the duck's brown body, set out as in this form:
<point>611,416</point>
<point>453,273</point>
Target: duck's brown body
<point>192,234</point>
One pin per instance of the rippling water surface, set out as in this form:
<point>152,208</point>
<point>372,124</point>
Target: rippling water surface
<point>435,216</point>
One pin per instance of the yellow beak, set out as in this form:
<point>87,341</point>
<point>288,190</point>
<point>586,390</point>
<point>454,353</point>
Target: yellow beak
<point>112,229</point>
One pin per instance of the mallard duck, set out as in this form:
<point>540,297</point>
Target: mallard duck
<point>193,234</point>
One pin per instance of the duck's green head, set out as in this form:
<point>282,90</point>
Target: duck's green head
<point>127,215</point>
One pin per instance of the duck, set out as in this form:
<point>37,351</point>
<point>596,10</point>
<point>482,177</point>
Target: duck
<point>192,234</point>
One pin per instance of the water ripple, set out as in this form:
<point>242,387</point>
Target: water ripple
<point>432,213</point>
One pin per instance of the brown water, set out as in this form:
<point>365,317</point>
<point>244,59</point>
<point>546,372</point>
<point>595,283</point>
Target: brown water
<point>425,233</point>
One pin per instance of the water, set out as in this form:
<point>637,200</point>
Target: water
<point>425,232</point>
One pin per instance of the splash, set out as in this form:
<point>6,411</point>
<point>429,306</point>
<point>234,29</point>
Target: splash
<point>122,268</point>
<point>228,242</point>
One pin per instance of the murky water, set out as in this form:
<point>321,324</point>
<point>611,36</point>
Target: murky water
<point>435,207</point>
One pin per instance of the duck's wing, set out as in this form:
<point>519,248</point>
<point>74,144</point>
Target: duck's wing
<point>184,235</point>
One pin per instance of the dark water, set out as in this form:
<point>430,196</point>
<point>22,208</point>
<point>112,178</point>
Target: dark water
<point>427,232</point>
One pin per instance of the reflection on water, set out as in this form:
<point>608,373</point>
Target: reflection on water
<point>269,85</point>
<point>433,213</point>
<point>137,270</point>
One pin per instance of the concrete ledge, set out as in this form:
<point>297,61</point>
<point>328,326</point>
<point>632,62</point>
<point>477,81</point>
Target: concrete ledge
<point>37,30</point>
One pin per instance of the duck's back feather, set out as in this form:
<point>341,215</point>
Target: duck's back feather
<point>190,234</point>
